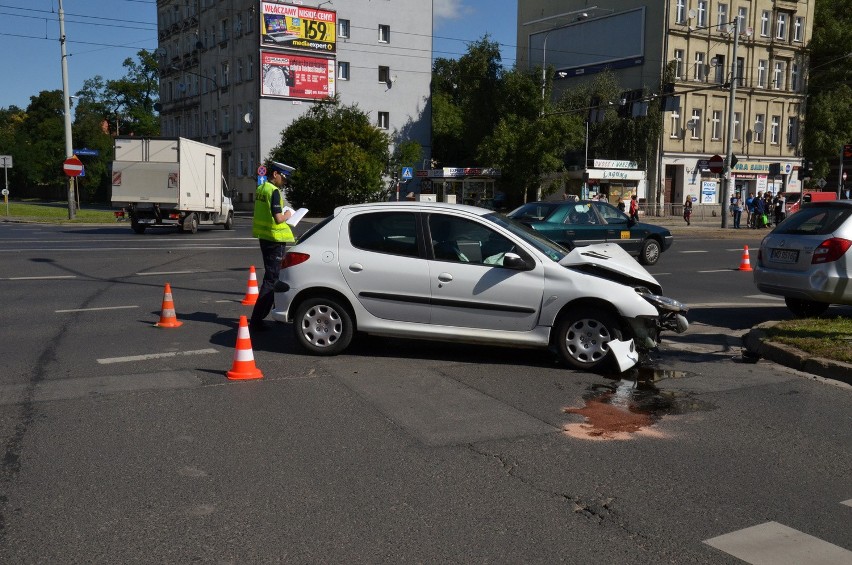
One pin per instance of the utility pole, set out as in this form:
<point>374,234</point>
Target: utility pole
<point>726,187</point>
<point>66,97</point>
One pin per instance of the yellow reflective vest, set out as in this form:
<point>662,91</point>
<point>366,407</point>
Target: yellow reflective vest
<point>263,224</point>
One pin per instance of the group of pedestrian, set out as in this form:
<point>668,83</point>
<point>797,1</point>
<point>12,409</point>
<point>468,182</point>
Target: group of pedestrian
<point>764,208</point>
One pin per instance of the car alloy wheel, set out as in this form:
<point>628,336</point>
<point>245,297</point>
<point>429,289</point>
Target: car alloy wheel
<point>582,338</point>
<point>323,326</point>
<point>650,252</point>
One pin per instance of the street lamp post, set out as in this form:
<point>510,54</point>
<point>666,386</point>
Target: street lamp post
<point>729,142</point>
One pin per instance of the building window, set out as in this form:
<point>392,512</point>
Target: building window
<point>678,63</point>
<point>792,131</point>
<point>343,29</point>
<point>738,128</point>
<point>794,77</point>
<point>249,123</point>
<point>700,72</point>
<point>761,73</point>
<point>384,74</point>
<point>742,19</point>
<point>778,75</point>
<point>238,25</point>
<point>343,70</point>
<point>675,133</point>
<point>716,126</point>
<point>759,126</point>
<point>798,28</point>
<point>722,18</point>
<point>238,118</point>
<point>696,123</point>
<point>702,13</point>
<point>226,67</point>
<point>214,126</point>
<point>384,33</point>
<point>775,130</point>
<point>740,77</point>
<point>383,120</point>
<point>206,124</point>
<point>223,30</point>
<point>241,165</point>
<point>764,23</point>
<point>781,26</point>
<point>249,19</point>
<point>719,62</point>
<point>680,12</point>
<point>250,68</point>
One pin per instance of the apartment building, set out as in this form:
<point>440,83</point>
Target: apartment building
<point>707,49</point>
<point>236,73</point>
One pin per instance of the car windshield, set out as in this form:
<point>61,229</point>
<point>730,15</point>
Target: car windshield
<point>816,220</point>
<point>553,251</point>
<point>534,211</point>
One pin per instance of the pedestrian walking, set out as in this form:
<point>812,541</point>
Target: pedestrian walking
<point>749,204</point>
<point>737,209</point>
<point>687,210</point>
<point>634,208</point>
<point>269,226</point>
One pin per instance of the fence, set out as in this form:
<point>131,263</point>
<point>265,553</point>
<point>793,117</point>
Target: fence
<point>699,211</point>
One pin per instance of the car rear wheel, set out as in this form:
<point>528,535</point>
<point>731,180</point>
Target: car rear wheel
<point>190,223</point>
<point>229,223</point>
<point>805,308</point>
<point>323,326</point>
<point>650,253</point>
<point>583,335</point>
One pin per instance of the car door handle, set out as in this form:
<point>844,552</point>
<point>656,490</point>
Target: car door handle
<point>445,277</point>
<point>356,267</point>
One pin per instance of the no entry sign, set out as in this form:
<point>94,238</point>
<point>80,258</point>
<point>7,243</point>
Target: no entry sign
<point>72,166</point>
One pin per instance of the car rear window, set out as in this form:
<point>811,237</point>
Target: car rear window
<point>532,212</point>
<point>814,220</point>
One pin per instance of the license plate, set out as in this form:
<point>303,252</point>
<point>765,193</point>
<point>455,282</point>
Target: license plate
<point>625,235</point>
<point>784,256</point>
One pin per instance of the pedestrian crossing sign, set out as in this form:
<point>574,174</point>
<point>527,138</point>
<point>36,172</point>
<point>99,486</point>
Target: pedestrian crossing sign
<point>407,173</point>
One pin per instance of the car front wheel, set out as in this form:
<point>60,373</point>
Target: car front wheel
<point>582,338</point>
<point>650,253</point>
<point>805,308</point>
<point>323,326</point>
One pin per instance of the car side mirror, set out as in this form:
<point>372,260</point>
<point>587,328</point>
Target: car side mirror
<point>514,261</point>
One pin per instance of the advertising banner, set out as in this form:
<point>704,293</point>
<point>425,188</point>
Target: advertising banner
<point>297,27</point>
<point>708,192</point>
<point>284,75</point>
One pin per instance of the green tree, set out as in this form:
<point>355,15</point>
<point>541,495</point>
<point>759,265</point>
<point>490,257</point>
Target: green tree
<point>338,154</point>
<point>828,123</point>
<point>39,148</point>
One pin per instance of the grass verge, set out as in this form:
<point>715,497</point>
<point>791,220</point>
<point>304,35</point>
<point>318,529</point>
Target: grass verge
<point>830,338</point>
<point>55,213</point>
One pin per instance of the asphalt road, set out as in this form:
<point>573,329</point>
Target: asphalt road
<point>125,443</point>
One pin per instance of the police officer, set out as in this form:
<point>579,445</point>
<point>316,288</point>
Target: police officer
<point>269,225</point>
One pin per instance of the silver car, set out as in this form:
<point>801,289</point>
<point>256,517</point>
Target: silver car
<point>805,259</point>
<point>459,273</point>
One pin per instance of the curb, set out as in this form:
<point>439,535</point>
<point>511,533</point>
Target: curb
<point>757,342</point>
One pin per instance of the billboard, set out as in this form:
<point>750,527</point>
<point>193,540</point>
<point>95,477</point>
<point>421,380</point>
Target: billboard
<point>297,27</point>
<point>287,75</point>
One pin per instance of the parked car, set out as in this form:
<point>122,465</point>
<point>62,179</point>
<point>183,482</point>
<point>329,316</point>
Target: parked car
<point>584,222</point>
<point>805,259</point>
<point>465,274</point>
<point>793,200</point>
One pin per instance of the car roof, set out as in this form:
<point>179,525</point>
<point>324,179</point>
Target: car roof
<point>419,206</point>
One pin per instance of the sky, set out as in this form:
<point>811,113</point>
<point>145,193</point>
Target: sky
<point>101,34</point>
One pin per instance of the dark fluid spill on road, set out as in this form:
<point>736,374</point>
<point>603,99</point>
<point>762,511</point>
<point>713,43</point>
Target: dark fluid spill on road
<point>630,407</point>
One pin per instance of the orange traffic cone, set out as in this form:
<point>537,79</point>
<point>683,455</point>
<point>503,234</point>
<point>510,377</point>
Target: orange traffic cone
<point>252,291</point>
<point>244,367</point>
<point>167,316</point>
<point>745,264</point>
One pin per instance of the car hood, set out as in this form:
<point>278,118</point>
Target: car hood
<point>609,257</point>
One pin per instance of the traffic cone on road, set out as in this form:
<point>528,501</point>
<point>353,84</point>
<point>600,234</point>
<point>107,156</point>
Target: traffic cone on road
<point>167,316</point>
<point>745,264</point>
<point>243,367</point>
<point>252,290</point>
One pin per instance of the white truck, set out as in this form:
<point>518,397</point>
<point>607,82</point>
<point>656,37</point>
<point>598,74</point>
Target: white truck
<point>174,181</point>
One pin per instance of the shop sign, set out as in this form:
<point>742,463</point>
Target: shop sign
<point>615,174</point>
<point>708,192</point>
<point>615,164</point>
<point>460,172</point>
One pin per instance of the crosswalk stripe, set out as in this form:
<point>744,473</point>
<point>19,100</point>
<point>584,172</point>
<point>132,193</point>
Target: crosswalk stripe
<point>776,544</point>
<point>847,502</point>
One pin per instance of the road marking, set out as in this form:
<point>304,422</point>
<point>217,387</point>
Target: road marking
<point>776,544</point>
<point>659,274</point>
<point>694,251</point>
<point>765,297</point>
<point>110,360</point>
<point>95,309</point>
<point>847,502</point>
<point>718,271</point>
<point>730,305</point>
<point>41,278</point>
<point>158,273</point>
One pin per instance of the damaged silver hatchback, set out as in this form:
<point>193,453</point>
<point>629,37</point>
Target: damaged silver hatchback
<point>459,273</point>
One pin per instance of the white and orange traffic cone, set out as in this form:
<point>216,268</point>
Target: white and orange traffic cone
<point>252,291</point>
<point>745,263</point>
<point>243,367</point>
<point>168,319</point>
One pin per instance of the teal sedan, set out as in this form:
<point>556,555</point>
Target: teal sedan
<point>585,222</point>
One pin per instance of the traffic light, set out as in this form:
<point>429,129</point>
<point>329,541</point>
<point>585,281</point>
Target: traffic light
<point>774,169</point>
<point>807,169</point>
<point>847,152</point>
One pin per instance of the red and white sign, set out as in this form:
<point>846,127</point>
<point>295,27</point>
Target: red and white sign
<point>116,178</point>
<point>284,75</point>
<point>72,166</point>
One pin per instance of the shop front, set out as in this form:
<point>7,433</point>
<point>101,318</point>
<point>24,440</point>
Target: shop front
<point>610,179</point>
<point>468,185</point>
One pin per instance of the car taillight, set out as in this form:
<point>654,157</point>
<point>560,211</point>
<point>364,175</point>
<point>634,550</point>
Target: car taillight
<point>831,250</point>
<point>292,258</point>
